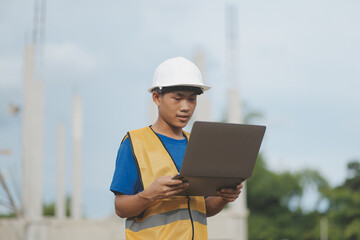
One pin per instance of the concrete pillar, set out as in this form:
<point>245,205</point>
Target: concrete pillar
<point>76,201</point>
<point>239,214</point>
<point>153,111</point>
<point>60,210</point>
<point>239,207</point>
<point>234,106</point>
<point>33,121</point>
<point>203,106</point>
<point>239,211</point>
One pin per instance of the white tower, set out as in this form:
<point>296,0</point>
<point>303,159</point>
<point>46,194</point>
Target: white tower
<point>153,111</point>
<point>234,114</point>
<point>33,121</point>
<point>60,211</point>
<point>203,107</point>
<point>33,132</point>
<point>76,201</point>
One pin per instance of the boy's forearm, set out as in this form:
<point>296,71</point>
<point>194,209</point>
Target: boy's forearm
<point>130,205</point>
<point>214,205</point>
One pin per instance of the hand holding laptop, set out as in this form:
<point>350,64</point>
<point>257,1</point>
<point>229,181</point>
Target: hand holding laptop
<point>230,194</point>
<point>163,187</point>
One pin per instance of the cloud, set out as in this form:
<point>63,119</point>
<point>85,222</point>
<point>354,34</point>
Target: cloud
<point>69,56</point>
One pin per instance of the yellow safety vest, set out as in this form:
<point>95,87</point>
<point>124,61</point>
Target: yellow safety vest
<point>177,217</point>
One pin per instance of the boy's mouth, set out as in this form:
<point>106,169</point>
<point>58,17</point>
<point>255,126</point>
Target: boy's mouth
<point>183,118</point>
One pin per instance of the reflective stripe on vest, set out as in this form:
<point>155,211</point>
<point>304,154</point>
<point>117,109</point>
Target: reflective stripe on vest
<point>165,218</point>
<point>168,218</point>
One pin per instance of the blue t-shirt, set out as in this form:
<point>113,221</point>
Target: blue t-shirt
<point>126,177</point>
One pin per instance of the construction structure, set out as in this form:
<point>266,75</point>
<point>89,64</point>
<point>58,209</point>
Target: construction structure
<point>239,209</point>
<point>33,129</point>
<point>60,206</point>
<point>76,200</point>
<point>203,105</point>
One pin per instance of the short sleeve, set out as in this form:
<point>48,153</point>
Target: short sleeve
<point>126,178</point>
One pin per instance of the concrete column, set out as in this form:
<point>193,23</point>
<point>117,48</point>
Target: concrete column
<point>60,211</point>
<point>153,111</point>
<point>203,106</point>
<point>33,121</point>
<point>76,201</point>
<point>234,112</point>
<point>239,207</point>
<point>239,214</point>
<point>234,106</point>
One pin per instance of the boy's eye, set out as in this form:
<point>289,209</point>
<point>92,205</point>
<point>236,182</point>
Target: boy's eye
<point>177,99</point>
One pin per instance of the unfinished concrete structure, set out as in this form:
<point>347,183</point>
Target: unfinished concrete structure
<point>33,121</point>
<point>239,211</point>
<point>203,105</point>
<point>60,206</point>
<point>33,132</point>
<point>76,200</point>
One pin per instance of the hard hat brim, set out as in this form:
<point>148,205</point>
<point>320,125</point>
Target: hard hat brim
<point>203,87</point>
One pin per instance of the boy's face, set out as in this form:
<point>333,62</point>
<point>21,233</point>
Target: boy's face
<point>175,108</point>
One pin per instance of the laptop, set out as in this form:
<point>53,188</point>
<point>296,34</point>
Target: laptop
<point>219,155</point>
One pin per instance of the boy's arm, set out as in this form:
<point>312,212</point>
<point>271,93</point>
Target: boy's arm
<point>133,205</point>
<point>215,204</point>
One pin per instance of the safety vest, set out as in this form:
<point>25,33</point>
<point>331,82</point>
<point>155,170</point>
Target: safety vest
<point>177,217</point>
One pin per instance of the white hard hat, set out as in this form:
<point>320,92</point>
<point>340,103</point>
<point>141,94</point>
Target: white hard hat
<point>177,72</point>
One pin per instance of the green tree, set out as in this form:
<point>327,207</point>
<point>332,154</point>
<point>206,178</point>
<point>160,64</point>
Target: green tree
<point>274,203</point>
<point>344,206</point>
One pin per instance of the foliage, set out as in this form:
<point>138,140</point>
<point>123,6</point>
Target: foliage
<point>269,198</point>
<point>49,209</point>
<point>8,215</point>
<point>269,192</point>
<point>344,202</point>
<point>273,214</point>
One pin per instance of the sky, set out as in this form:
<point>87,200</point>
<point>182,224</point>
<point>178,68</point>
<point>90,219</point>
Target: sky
<point>299,65</point>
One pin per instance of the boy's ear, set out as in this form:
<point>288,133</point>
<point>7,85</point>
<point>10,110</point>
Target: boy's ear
<point>156,98</point>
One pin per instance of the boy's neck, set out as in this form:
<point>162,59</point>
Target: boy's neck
<point>167,130</point>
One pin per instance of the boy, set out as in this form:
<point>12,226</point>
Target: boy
<point>145,192</point>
